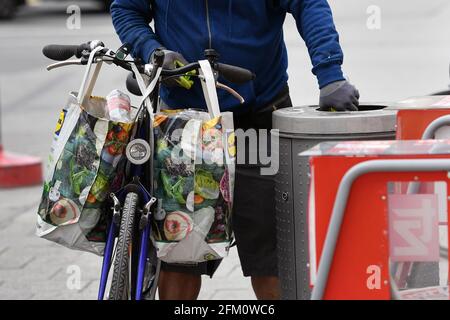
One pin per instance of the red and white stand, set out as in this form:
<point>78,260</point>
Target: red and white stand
<point>19,170</point>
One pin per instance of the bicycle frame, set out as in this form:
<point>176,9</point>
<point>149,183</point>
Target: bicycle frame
<point>95,52</point>
<point>144,131</point>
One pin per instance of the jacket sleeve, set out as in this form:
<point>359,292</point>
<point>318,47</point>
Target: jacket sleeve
<point>131,19</point>
<point>316,26</point>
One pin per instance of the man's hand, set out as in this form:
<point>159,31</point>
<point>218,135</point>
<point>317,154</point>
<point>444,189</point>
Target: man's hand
<point>173,60</point>
<point>339,96</point>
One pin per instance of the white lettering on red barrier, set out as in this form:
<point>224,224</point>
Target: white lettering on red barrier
<point>413,227</point>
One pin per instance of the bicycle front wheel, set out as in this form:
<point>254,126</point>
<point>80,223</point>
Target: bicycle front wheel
<point>120,284</point>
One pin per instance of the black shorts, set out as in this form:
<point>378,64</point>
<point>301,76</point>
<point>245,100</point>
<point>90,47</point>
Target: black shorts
<point>253,209</point>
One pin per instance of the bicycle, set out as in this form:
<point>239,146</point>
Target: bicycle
<point>128,248</point>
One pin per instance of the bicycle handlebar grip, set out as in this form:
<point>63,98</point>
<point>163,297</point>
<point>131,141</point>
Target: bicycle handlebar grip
<point>61,52</point>
<point>235,74</point>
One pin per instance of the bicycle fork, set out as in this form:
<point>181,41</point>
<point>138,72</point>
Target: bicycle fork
<point>145,225</point>
<point>144,230</point>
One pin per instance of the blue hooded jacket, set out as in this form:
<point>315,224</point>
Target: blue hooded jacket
<point>246,33</point>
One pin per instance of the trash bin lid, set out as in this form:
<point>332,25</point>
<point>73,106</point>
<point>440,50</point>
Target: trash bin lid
<point>309,120</point>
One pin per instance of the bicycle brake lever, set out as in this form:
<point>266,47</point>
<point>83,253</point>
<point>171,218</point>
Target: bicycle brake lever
<point>64,63</point>
<point>81,61</point>
<point>230,91</point>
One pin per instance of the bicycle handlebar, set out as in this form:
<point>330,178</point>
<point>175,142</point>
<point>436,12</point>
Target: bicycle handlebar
<point>234,74</point>
<point>181,70</point>
<point>231,73</point>
<point>61,52</point>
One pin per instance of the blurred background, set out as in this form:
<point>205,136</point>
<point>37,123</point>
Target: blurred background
<point>394,49</point>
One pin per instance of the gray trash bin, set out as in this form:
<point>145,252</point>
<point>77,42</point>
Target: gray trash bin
<point>299,129</point>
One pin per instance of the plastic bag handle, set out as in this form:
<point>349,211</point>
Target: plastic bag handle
<point>147,91</point>
<point>88,83</point>
<point>146,88</point>
<point>209,88</point>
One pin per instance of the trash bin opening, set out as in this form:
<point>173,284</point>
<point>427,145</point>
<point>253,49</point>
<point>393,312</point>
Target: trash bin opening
<point>364,107</point>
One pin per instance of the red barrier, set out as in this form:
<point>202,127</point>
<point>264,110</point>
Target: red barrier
<point>19,170</point>
<point>411,123</point>
<point>363,248</point>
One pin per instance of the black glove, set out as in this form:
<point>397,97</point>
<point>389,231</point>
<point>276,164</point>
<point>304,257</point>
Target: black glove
<point>339,96</point>
<point>173,60</point>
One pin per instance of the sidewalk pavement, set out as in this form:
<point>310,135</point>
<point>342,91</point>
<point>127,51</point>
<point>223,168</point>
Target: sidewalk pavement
<point>34,268</point>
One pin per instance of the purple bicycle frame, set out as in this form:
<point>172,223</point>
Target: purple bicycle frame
<point>112,233</point>
<point>143,252</point>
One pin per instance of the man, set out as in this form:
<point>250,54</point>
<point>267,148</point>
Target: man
<point>248,34</point>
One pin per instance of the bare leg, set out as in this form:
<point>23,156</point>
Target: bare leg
<point>266,288</point>
<point>178,286</point>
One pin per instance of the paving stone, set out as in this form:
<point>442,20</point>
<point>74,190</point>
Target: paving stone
<point>229,294</point>
<point>15,294</point>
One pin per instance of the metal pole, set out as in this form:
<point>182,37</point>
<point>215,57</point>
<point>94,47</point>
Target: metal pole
<point>434,126</point>
<point>337,216</point>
